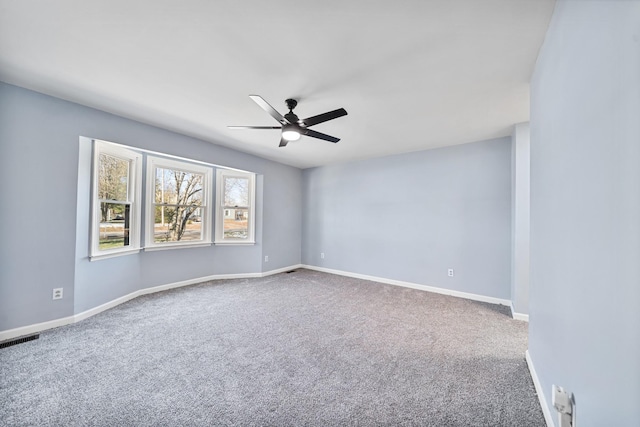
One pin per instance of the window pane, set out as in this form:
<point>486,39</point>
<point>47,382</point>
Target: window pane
<point>236,191</point>
<point>114,226</point>
<point>177,224</point>
<point>178,187</point>
<point>113,178</point>
<point>236,223</point>
<point>234,207</point>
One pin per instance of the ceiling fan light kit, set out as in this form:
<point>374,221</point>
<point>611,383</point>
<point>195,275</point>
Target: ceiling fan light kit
<point>290,133</point>
<point>292,127</point>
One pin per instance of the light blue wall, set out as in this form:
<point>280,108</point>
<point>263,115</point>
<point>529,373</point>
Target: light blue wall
<point>45,211</point>
<point>520,217</point>
<point>585,210</point>
<point>410,217</point>
<point>282,213</point>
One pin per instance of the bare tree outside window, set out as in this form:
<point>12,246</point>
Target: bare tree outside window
<point>113,189</point>
<point>178,205</point>
<point>113,182</point>
<point>236,192</point>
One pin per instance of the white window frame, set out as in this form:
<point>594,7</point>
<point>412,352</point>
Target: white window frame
<point>134,194</point>
<point>221,174</point>
<point>160,162</point>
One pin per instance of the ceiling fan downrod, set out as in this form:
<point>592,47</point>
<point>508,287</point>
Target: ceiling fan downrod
<point>291,104</point>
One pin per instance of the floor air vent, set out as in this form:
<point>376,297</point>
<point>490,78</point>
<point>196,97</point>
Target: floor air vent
<point>19,340</point>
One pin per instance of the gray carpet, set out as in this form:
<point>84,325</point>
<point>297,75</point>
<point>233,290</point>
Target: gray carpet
<point>299,349</point>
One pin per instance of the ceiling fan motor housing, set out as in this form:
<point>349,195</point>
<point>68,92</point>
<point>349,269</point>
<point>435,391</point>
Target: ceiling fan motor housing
<point>292,118</point>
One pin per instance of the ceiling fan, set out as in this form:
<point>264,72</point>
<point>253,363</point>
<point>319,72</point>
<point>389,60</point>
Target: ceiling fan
<point>292,127</point>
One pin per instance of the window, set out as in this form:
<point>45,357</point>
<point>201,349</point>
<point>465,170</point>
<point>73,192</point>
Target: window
<point>115,204</point>
<point>178,203</point>
<point>235,212</point>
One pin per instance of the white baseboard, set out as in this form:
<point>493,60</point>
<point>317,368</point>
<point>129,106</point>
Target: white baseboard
<point>518,316</point>
<point>35,328</point>
<point>536,382</point>
<point>281,270</point>
<point>106,306</point>
<point>434,289</point>
<point>39,327</point>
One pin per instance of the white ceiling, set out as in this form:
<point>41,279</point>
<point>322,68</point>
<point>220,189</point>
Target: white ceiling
<point>412,74</point>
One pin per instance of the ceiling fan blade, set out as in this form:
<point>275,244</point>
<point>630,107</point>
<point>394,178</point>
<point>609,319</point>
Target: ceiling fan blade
<point>254,127</point>
<point>314,134</point>
<point>283,142</point>
<point>269,109</point>
<point>310,121</point>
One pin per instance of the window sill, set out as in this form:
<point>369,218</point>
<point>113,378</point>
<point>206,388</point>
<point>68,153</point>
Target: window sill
<point>113,254</point>
<point>176,246</point>
<point>234,243</point>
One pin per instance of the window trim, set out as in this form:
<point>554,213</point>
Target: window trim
<point>221,174</point>
<point>134,194</point>
<point>154,162</point>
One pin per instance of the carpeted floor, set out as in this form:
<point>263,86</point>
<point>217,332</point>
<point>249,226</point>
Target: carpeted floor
<point>299,349</point>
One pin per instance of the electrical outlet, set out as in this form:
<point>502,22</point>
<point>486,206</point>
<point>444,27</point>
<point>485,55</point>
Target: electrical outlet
<point>266,258</point>
<point>450,272</point>
<point>57,293</point>
<point>322,255</point>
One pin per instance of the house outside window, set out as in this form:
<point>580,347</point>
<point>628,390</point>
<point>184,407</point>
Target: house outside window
<point>235,207</point>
